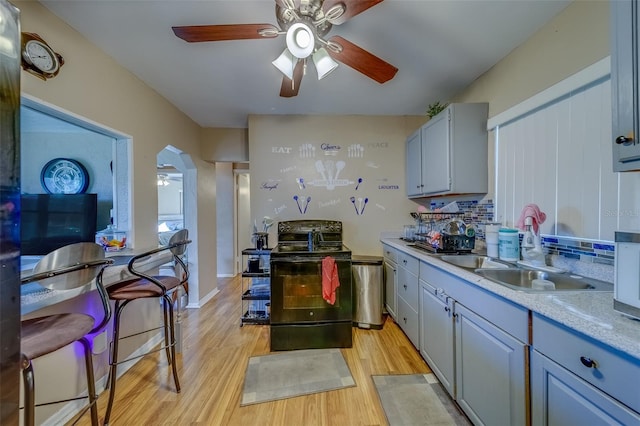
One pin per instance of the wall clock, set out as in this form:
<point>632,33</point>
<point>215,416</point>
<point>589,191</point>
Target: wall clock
<point>64,176</point>
<point>38,58</point>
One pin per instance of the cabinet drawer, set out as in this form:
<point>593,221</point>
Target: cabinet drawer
<point>409,263</point>
<point>389,253</point>
<point>407,288</point>
<point>615,372</point>
<point>408,321</point>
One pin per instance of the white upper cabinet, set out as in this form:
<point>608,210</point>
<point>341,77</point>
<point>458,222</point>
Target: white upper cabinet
<point>625,16</point>
<point>448,154</point>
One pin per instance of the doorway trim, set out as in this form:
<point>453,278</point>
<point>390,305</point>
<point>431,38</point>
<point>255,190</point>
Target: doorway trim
<point>122,167</point>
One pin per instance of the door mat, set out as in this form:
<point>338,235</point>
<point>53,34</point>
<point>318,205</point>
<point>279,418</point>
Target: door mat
<point>294,373</point>
<point>417,399</point>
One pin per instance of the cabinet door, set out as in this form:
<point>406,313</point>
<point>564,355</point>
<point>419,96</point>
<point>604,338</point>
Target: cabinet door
<point>414,168</point>
<point>490,371</point>
<point>436,334</point>
<point>436,166</point>
<point>560,398</point>
<point>624,84</point>
<point>391,280</point>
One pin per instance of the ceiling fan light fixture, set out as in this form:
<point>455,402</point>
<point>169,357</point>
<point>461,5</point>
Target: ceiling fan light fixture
<point>300,40</point>
<point>286,63</point>
<point>323,62</point>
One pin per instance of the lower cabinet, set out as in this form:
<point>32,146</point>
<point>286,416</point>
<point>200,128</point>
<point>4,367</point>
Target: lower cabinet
<point>576,380</point>
<point>437,334</point>
<point>390,283</point>
<point>482,366</point>
<point>390,280</point>
<point>561,398</point>
<point>407,297</point>
<point>491,370</point>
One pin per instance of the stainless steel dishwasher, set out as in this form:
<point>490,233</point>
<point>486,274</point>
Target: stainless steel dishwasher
<point>368,291</point>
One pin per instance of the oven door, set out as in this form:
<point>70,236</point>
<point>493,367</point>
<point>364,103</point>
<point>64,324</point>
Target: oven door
<point>296,291</point>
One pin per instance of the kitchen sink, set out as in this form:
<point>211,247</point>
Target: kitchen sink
<point>474,261</point>
<point>539,281</point>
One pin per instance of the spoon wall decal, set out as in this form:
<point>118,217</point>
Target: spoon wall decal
<point>359,182</point>
<point>295,197</point>
<point>306,205</point>
<point>366,200</point>
<point>353,201</point>
<point>339,166</point>
<point>321,170</point>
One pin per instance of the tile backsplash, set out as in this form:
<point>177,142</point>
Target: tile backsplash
<point>585,257</point>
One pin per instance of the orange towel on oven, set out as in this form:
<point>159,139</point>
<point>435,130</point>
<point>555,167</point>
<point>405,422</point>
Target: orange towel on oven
<point>330,280</point>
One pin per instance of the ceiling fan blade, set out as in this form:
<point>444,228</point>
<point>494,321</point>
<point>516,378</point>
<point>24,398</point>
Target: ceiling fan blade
<point>362,61</point>
<point>289,90</point>
<point>352,8</point>
<point>198,33</point>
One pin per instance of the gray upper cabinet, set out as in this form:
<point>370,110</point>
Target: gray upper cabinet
<point>625,86</point>
<point>414,167</point>
<point>448,154</point>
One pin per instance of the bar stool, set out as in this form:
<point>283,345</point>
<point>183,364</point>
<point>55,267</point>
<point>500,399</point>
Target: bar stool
<point>69,267</point>
<point>144,286</point>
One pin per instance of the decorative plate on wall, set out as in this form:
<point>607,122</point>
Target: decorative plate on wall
<point>64,176</point>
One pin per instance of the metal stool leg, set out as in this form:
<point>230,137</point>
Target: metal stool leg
<point>114,360</point>
<point>165,319</point>
<point>174,367</point>
<point>91,384</point>
<point>29,392</point>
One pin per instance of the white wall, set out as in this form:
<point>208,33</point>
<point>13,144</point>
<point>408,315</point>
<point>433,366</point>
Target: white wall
<point>92,86</point>
<point>285,149</point>
<point>224,216</point>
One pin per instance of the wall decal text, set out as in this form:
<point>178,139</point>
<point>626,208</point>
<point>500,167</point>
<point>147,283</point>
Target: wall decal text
<point>281,149</point>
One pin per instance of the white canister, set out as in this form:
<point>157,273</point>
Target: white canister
<point>509,244</point>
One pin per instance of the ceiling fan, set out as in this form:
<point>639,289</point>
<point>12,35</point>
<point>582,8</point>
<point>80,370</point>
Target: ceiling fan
<point>305,23</point>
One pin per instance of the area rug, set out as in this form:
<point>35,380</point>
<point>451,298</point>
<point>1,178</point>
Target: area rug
<point>294,373</point>
<point>417,399</point>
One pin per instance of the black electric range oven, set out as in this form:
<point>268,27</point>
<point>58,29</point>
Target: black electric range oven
<point>302,315</point>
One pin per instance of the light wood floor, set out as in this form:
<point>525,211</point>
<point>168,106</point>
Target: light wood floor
<point>212,365</point>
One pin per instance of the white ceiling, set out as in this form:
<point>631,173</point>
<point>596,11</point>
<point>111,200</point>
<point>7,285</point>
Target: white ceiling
<point>439,46</point>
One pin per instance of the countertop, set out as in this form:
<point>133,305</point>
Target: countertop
<point>34,297</point>
<point>590,313</point>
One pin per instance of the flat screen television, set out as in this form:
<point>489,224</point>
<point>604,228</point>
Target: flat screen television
<point>51,221</point>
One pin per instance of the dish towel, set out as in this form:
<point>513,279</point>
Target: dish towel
<point>533,211</point>
<point>330,280</point>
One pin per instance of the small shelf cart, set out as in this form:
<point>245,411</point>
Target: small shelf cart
<point>256,286</point>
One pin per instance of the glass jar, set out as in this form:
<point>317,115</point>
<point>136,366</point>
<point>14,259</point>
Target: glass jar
<point>111,239</point>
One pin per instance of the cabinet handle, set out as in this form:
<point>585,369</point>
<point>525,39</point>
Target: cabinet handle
<point>624,140</point>
<point>404,261</point>
<point>447,309</point>
<point>588,362</point>
<point>405,319</point>
<point>405,286</point>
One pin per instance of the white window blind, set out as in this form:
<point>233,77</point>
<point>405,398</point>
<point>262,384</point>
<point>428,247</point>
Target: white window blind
<point>554,150</point>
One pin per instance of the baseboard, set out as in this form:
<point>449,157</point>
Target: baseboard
<point>71,409</point>
<point>204,300</point>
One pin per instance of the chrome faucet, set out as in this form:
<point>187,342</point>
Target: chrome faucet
<point>531,245</point>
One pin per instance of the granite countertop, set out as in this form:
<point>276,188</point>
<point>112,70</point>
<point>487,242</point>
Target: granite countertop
<point>34,297</point>
<point>590,313</point>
